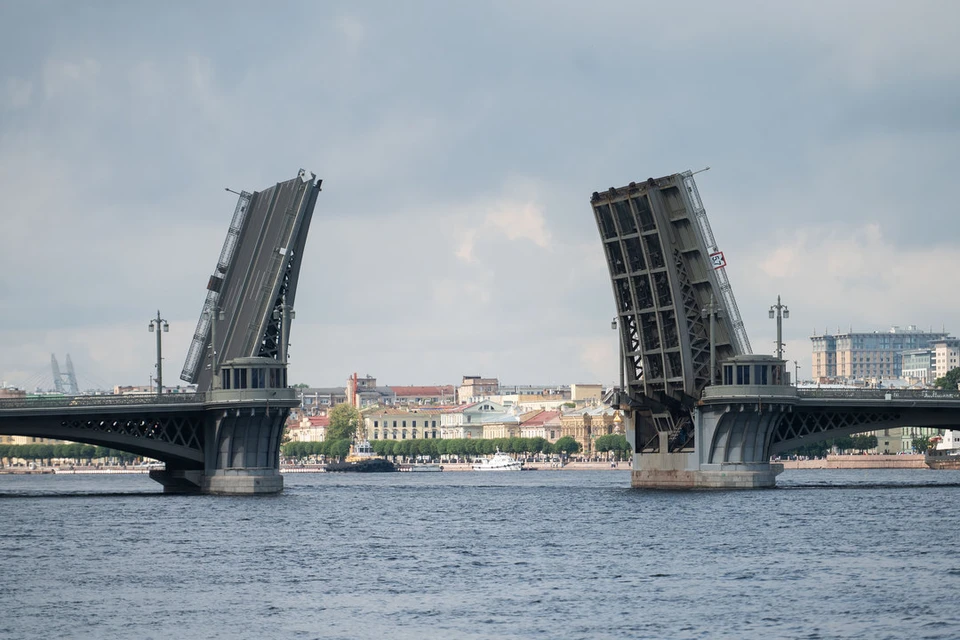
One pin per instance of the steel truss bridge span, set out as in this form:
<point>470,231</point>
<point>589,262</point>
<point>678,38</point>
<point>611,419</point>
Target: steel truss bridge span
<point>156,427</point>
<point>751,427</point>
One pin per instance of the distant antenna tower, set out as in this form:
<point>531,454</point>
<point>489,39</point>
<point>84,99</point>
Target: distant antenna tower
<point>71,388</point>
<point>57,379</point>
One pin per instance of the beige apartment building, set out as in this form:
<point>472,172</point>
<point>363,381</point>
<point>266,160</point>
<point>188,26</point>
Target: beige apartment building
<point>475,387</point>
<point>863,355</point>
<point>946,356</point>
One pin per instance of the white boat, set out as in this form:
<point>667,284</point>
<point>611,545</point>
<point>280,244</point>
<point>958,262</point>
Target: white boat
<point>499,462</point>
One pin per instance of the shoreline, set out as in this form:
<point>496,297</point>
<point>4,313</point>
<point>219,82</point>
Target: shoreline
<point>906,461</point>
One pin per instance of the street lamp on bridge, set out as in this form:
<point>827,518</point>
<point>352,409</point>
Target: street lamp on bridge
<point>779,311</point>
<point>214,314</point>
<point>159,325</point>
<point>614,324</point>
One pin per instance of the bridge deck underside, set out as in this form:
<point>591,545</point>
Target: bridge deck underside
<point>663,286</point>
<point>752,432</point>
<point>174,438</point>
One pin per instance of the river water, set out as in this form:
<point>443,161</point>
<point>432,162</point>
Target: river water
<point>552,554</point>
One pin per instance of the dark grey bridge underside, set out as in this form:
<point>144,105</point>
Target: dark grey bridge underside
<point>659,248</point>
<point>169,429</point>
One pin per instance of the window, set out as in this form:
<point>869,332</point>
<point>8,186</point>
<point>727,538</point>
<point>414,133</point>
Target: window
<point>743,374</point>
<point>760,374</point>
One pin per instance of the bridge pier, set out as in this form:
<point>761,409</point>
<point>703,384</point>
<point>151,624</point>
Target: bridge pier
<point>178,480</point>
<point>242,428</point>
<point>243,481</point>
<point>657,475</point>
<point>683,470</point>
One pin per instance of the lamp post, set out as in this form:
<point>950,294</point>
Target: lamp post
<point>779,311</point>
<point>713,312</point>
<point>614,325</point>
<point>796,373</point>
<point>215,313</point>
<point>160,325</point>
<point>284,314</point>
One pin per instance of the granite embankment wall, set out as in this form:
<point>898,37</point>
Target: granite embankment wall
<point>910,461</point>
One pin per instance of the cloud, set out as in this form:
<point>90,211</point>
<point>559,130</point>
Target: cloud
<point>512,220</point>
<point>459,145</point>
<point>63,77</point>
<point>17,93</point>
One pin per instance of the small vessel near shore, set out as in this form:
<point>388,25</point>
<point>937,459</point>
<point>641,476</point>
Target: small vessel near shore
<point>370,465</point>
<point>499,462</point>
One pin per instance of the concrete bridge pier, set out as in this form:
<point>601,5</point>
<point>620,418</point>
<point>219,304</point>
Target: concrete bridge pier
<point>242,428</point>
<point>241,456</point>
<point>244,456</point>
<point>178,480</point>
<point>733,426</point>
<point>701,468</point>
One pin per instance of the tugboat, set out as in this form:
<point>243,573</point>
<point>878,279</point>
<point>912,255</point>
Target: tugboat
<point>362,460</point>
<point>373,465</point>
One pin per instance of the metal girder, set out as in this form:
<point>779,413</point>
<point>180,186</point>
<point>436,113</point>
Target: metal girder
<point>175,438</point>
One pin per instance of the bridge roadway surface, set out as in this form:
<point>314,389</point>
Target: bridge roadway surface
<point>269,237</point>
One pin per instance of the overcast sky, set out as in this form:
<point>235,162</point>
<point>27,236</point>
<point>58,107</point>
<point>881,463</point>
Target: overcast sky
<point>459,143</point>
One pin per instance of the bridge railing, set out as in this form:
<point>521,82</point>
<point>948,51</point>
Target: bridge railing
<point>880,394</point>
<point>40,402</point>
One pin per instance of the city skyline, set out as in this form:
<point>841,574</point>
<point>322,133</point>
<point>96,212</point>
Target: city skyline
<point>454,234</point>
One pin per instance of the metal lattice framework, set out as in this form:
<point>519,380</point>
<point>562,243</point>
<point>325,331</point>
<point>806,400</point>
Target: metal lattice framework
<point>177,430</point>
<point>814,425</point>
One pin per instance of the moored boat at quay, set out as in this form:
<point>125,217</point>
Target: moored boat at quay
<point>499,462</point>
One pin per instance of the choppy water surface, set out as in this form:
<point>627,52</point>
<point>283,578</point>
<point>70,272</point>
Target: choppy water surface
<point>551,554</point>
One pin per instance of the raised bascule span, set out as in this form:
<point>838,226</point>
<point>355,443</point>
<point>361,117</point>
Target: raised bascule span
<point>225,439</point>
<point>254,284</point>
<point>700,409</point>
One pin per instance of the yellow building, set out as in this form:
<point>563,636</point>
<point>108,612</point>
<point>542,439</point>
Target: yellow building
<point>585,426</point>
